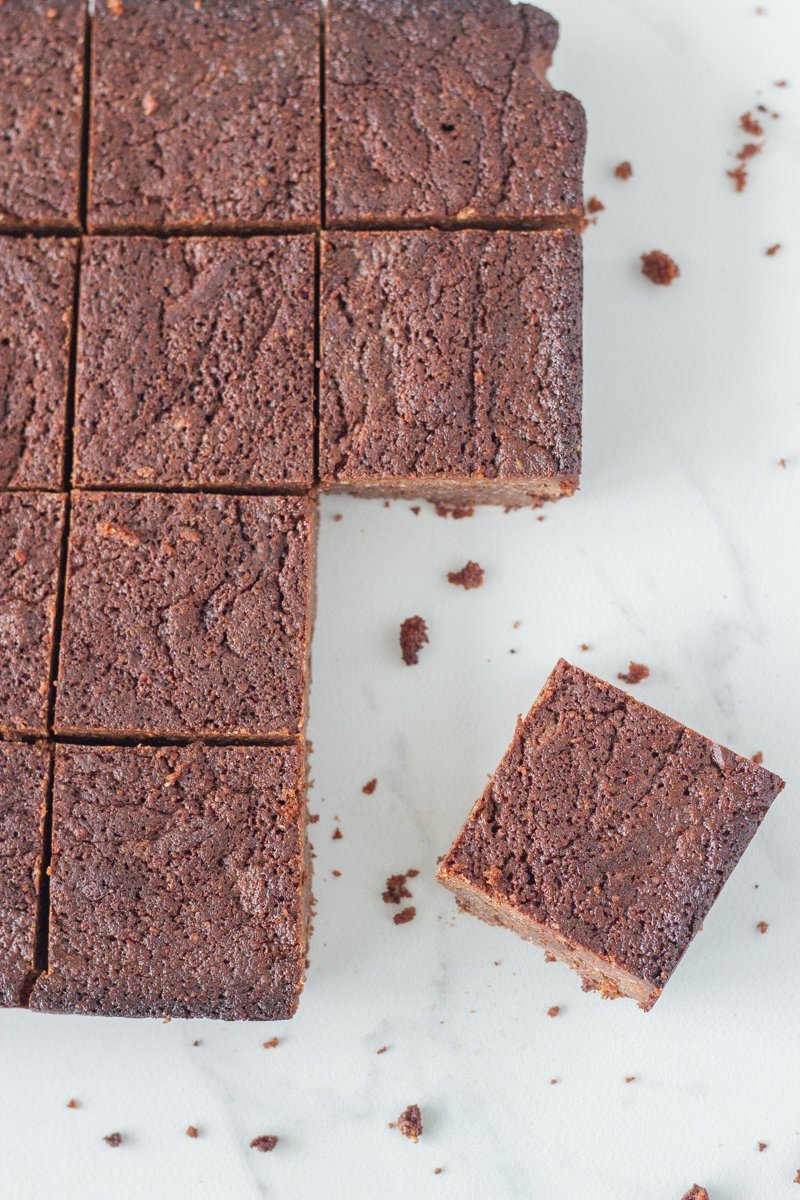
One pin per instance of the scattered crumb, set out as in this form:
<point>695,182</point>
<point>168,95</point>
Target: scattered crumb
<point>749,149</point>
<point>593,205</point>
<point>272,1043</point>
<point>405,915</point>
<point>197,1042</point>
<point>313,818</point>
<point>782,463</point>
<point>552,1081</point>
<point>456,511</point>
<point>191,1131</point>
<point>659,268</point>
<point>381,1049</point>
<point>758,757</point>
<point>548,957</point>
<point>113,1139</point>
<point>739,177</point>
<point>410,1122</point>
<point>770,250</point>
<point>415,508</point>
<point>516,624</point>
<point>265,1142</point>
<point>781,83</point>
<point>166,1020</point>
<point>635,674</point>
<point>750,125</point>
<point>72,1104</point>
<point>623,170</point>
<point>396,889</point>
<point>797,1177</point>
<point>762,927</point>
<point>696,1193</point>
<point>369,787</point>
<point>585,646</point>
<point>336,874</point>
<point>629,1078</point>
<point>413,636</point>
<point>337,835</point>
<point>470,576</point>
<point>337,516</point>
<point>437,1170</point>
<point>761,1147</point>
<point>554,1010</point>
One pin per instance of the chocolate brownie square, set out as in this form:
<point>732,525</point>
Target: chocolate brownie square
<point>37,286</point>
<point>24,777</point>
<point>451,365</point>
<point>31,527</point>
<point>41,97</point>
<point>441,112</point>
<point>606,834</point>
<point>205,114</point>
<point>196,363</point>
<point>186,615</point>
<point>180,883</point>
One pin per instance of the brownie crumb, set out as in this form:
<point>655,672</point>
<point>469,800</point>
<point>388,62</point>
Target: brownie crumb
<point>369,787</point>
<point>396,889</point>
<point>381,1049</point>
<point>554,1010</point>
<point>593,205</point>
<point>456,511</point>
<point>749,149</point>
<point>548,957</point>
<point>635,674</point>
<point>72,1104</point>
<point>585,646</point>
<point>797,1177</point>
<point>313,818</point>
<point>552,1081</point>
<point>758,757</point>
<point>782,463</point>
<point>623,170</point>
<point>415,508</point>
<point>739,177</point>
<point>197,1042</point>
<point>336,874</point>
<point>191,1131</point>
<point>629,1078</point>
<point>272,1043</point>
<point>659,268</point>
<point>113,1139</point>
<point>265,1142</point>
<point>406,915</point>
<point>413,636</point>
<point>750,125</point>
<point>337,835</point>
<point>470,576</point>
<point>437,1170</point>
<point>762,927</point>
<point>410,1122</point>
<point>761,1147</point>
<point>696,1193</point>
<point>770,250</point>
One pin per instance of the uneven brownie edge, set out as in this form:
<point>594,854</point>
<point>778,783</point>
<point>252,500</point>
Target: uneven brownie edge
<point>451,365</point>
<point>442,113</point>
<point>180,882</point>
<point>614,878</point>
<point>40,153</point>
<point>24,777</point>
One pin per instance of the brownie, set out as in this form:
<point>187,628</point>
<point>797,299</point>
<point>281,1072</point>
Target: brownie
<point>186,615</point>
<point>607,833</point>
<point>30,555</point>
<point>196,363</point>
<point>205,114</point>
<point>41,97</point>
<point>179,882</point>
<point>441,112</point>
<point>24,775</point>
<point>451,365</point>
<point>37,286</point>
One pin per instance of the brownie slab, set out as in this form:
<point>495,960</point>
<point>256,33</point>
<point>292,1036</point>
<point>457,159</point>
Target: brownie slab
<point>204,114</point>
<point>30,555</point>
<point>196,363</point>
<point>24,776</point>
<point>441,112</point>
<point>41,94</point>
<point>186,615</point>
<point>180,883</point>
<point>37,285</point>
<point>606,834</point>
<point>451,365</point>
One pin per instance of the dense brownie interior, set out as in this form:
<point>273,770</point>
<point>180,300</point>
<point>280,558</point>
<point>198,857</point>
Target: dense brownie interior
<point>24,772</point>
<point>195,362</point>
<point>607,833</point>
<point>179,882</point>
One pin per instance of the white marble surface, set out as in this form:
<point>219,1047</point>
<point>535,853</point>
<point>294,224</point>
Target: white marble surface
<point>682,551</point>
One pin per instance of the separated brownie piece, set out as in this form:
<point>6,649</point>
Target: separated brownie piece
<point>196,362</point>
<point>24,775</point>
<point>451,365</point>
<point>37,286</point>
<point>180,884</point>
<point>30,554</point>
<point>204,114</point>
<point>186,615</point>
<point>606,834</point>
<point>41,94</point>
<point>441,112</point>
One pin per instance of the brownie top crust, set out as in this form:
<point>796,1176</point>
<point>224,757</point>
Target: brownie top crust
<point>450,355</point>
<point>30,555</point>
<point>440,109</point>
<point>195,362</point>
<point>41,93</point>
<point>204,114</point>
<point>186,615</point>
<point>37,284</point>
<point>611,823</point>
<point>178,882</point>
<point>24,772</point>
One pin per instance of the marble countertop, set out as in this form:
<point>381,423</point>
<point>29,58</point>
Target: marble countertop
<point>682,551</point>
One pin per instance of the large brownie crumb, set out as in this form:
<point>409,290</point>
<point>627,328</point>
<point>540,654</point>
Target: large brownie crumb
<point>179,883</point>
<point>195,363</point>
<point>41,67</point>
<point>413,636</point>
<point>659,268</point>
<point>470,576</point>
<point>186,614</point>
<point>24,773</point>
<point>623,170</point>
<point>369,787</point>
<point>265,1142</point>
<point>204,114</point>
<point>396,889</point>
<point>696,1193</point>
<point>405,915</point>
<point>635,673</point>
<point>410,1122</point>
<point>37,282</point>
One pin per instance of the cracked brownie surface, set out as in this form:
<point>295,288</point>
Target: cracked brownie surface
<point>204,114</point>
<point>441,110</point>
<point>41,67</point>
<point>24,771</point>
<point>186,615</point>
<point>179,884</point>
<point>37,282</point>
<point>611,824</point>
<point>30,555</point>
<point>195,362</point>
